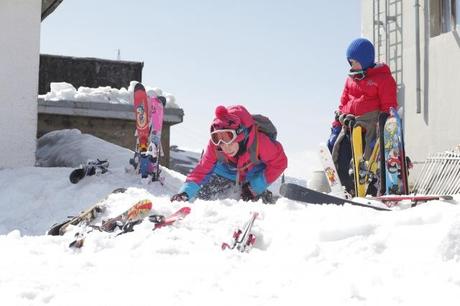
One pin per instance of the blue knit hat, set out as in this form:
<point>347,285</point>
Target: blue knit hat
<point>361,50</point>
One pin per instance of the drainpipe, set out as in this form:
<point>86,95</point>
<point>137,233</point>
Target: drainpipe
<point>417,57</point>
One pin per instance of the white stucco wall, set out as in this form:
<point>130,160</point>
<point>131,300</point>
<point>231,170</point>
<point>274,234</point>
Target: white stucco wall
<point>19,65</point>
<point>437,126</point>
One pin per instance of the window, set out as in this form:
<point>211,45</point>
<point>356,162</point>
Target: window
<point>444,16</point>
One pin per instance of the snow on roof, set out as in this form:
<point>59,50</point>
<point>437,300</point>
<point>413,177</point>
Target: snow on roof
<point>62,91</point>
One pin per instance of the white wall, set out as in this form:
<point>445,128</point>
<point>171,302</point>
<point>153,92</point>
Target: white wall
<point>437,127</point>
<point>19,65</point>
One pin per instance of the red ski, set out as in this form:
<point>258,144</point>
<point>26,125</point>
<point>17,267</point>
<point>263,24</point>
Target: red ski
<point>414,198</point>
<point>141,107</point>
<point>161,221</point>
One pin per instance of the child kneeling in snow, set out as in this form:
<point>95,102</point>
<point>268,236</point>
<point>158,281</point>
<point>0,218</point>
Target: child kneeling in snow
<point>237,154</point>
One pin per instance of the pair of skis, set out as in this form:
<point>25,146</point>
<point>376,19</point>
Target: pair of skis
<point>126,221</point>
<point>243,240</point>
<point>149,112</point>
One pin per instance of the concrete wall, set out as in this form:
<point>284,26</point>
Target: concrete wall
<point>88,72</point>
<point>436,127</point>
<point>19,62</point>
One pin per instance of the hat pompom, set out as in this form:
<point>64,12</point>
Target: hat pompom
<point>221,112</point>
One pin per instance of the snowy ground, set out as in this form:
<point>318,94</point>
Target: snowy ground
<point>304,255</point>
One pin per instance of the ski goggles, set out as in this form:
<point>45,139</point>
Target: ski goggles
<point>223,136</point>
<point>357,75</point>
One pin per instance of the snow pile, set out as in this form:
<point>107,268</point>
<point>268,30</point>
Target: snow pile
<point>304,255</point>
<point>61,91</point>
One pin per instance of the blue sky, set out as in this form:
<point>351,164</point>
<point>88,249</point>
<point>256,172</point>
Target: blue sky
<point>284,59</point>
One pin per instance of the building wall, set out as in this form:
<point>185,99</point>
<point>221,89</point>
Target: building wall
<point>88,72</point>
<point>435,125</point>
<point>114,123</point>
<point>19,62</point>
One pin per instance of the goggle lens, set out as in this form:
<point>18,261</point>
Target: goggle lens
<point>357,75</point>
<point>223,136</point>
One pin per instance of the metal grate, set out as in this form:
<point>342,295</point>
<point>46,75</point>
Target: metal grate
<point>440,175</point>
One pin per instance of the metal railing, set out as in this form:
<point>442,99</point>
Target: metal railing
<point>440,175</point>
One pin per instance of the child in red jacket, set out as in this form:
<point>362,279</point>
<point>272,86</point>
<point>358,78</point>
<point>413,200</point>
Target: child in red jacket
<point>237,152</point>
<point>369,90</point>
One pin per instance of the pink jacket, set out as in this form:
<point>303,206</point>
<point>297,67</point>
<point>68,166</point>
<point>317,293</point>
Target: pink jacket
<point>270,153</point>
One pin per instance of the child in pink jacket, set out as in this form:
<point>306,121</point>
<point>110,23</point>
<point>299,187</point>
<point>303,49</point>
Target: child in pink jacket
<point>237,152</point>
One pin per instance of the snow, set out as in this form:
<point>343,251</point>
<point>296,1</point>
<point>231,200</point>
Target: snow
<point>304,255</point>
<point>62,91</point>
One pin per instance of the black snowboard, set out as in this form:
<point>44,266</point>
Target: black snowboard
<point>306,195</point>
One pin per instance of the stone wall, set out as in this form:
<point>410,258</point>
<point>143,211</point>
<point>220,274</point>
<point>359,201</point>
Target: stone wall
<point>114,123</point>
<point>88,72</point>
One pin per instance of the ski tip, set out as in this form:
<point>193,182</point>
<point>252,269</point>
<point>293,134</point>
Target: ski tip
<point>120,190</point>
<point>77,244</point>
<point>185,210</point>
<point>76,175</point>
<point>162,100</point>
<point>139,86</point>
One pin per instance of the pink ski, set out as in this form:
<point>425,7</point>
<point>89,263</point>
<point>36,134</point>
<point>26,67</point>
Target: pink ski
<point>161,221</point>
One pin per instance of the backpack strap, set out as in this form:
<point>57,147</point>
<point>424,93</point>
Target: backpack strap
<point>254,149</point>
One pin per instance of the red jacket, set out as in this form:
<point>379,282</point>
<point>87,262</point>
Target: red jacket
<point>377,91</point>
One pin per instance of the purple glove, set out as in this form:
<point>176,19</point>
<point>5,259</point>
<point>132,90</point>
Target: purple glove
<point>180,197</point>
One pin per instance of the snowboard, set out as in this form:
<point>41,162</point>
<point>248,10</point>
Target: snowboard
<point>125,222</point>
<point>305,195</point>
<point>161,221</point>
<point>92,167</point>
<point>394,161</point>
<point>84,218</point>
<point>244,240</point>
<point>330,171</point>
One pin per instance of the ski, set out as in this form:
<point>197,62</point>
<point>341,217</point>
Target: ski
<point>157,113</point>
<point>330,171</point>
<point>125,222</point>
<point>359,169</point>
<point>142,159</point>
<point>244,240</point>
<point>414,198</point>
<point>161,221</point>
<point>84,218</point>
<point>309,196</point>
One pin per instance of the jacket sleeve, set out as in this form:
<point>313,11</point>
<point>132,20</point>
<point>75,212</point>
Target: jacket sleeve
<point>344,98</point>
<point>387,94</point>
<point>271,153</point>
<point>204,167</point>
